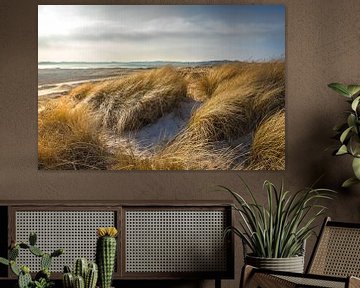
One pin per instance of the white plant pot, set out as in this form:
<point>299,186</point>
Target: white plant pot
<point>291,264</point>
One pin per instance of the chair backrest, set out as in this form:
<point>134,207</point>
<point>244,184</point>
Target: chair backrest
<point>337,251</point>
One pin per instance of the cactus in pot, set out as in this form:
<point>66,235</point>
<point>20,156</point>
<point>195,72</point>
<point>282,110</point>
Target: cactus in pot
<point>106,254</point>
<point>85,275</point>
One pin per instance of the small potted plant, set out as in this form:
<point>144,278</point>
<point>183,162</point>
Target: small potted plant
<point>349,132</point>
<point>276,233</point>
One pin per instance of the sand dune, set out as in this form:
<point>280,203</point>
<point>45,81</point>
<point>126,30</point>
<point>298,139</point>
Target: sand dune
<point>220,117</point>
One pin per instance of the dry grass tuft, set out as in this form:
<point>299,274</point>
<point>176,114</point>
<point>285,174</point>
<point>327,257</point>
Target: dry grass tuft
<point>268,146</point>
<point>131,102</point>
<point>175,157</point>
<point>81,91</point>
<point>205,86</point>
<point>68,137</point>
<point>239,102</point>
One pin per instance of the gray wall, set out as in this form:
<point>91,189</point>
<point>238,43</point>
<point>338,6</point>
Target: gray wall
<point>323,46</point>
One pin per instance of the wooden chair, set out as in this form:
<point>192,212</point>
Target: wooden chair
<point>335,262</point>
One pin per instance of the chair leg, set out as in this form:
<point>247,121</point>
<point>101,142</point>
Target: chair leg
<point>217,282</point>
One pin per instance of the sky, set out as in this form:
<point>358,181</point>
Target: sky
<point>98,33</point>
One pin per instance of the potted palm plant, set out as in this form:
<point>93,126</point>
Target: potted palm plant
<point>276,233</point>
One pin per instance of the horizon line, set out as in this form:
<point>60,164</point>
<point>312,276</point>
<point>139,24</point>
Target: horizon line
<point>177,61</point>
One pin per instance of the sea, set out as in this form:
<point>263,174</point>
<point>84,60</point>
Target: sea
<point>133,65</point>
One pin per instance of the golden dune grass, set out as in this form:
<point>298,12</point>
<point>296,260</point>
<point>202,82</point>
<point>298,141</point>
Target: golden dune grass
<point>205,86</point>
<point>81,91</point>
<point>131,102</point>
<point>268,145</point>
<point>74,131</point>
<point>68,137</point>
<point>175,157</point>
<point>239,101</point>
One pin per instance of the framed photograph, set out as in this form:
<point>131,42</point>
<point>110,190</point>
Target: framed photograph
<point>161,87</point>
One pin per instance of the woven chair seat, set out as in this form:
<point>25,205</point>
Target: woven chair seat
<point>335,262</point>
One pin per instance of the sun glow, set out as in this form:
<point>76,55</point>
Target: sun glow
<point>57,22</point>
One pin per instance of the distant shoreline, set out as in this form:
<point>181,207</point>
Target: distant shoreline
<point>56,82</point>
<point>126,65</point>
<point>54,76</point>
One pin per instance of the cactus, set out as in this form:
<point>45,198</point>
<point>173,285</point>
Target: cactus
<point>24,277</point>
<point>14,268</point>
<point>24,246</point>
<point>90,272</point>
<point>68,280</point>
<point>13,253</point>
<point>45,261</point>
<point>42,278</point>
<point>44,273</point>
<point>24,280</point>
<point>79,282</point>
<point>91,276</point>
<point>67,269</point>
<point>4,261</point>
<point>57,252</point>
<point>32,238</point>
<point>105,254</point>
<point>80,267</point>
<point>36,251</point>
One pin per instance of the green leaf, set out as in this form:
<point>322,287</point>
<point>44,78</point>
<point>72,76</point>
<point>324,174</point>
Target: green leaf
<point>351,120</point>
<point>353,89</point>
<point>4,261</point>
<point>355,103</point>
<point>354,145</point>
<point>349,182</point>
<point>342,150</point>
<point>345,134</point>
<point>356,167</point>
<point>340,88</point>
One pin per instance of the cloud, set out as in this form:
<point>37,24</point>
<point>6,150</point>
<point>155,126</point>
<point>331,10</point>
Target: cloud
<point>130,30</point>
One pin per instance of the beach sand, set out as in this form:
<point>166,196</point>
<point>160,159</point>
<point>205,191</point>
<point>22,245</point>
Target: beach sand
<point>56,82</point>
